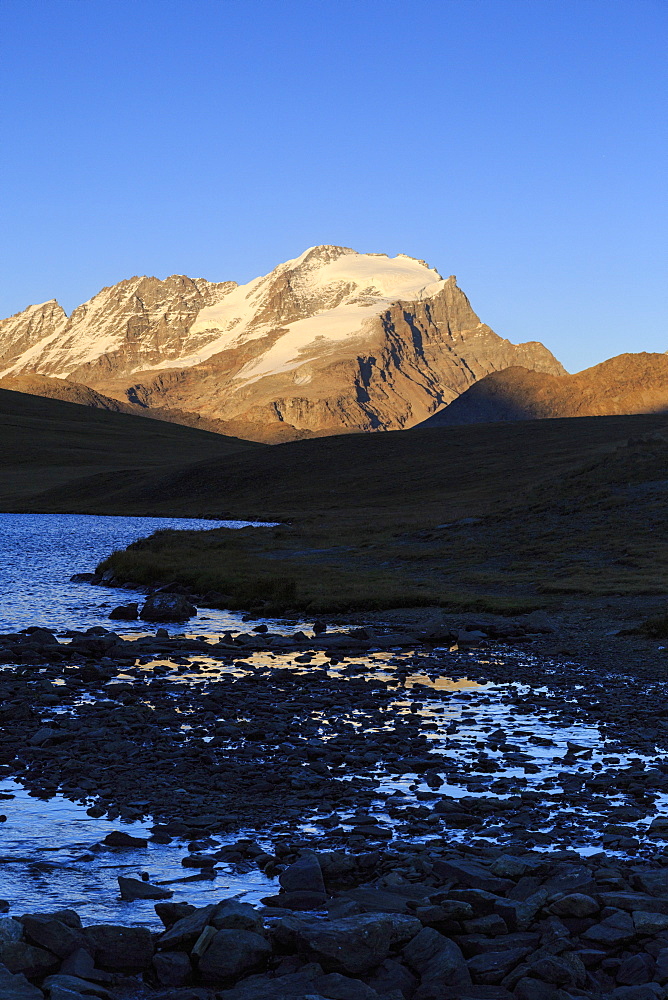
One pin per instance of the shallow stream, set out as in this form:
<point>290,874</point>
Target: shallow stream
<point>491,741</point>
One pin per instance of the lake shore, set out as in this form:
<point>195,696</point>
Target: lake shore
<point>425,779</point>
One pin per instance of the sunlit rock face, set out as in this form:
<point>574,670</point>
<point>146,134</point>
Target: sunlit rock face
<point>332,341</point>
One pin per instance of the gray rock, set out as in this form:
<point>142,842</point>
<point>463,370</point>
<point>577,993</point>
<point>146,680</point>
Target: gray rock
<point>162,607</point>
<point>437,959</point>
<point>654,881</point>
<point>232,915</point>
<point>295,986</point>
<point>305,875</point>
<point>636,970</point>
<point>576,904</point>
<point>390,975</point>
<point>356,944</point>
<point>534,989</point>
<point>553,969</point>
<point>17,987</point>
<point>55,936</point>
<point>10,930</point>
<point>33,962</point>
<point>611,932</point>
<point>649,923</point>
<point>661,971</point>
<point>125,612</point>
<point>76,984</point>
<point>172,968</point>
<point>232,954</point>
<point>120,948</point>
<point>135,888</point>
<point>650,991</point>
<point>491,967</point>
<point>186,930</point>
<point>334,986</point>
<point>472,874</point>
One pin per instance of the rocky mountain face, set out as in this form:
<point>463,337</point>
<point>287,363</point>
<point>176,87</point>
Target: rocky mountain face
<point>626,384</point>
<point>329,342</point>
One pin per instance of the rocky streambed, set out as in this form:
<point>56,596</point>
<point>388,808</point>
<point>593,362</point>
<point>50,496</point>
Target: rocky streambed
<point>411,815</point>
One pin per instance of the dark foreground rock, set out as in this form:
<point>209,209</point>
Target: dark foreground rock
<point>162,607</point>
<point>534,936</point>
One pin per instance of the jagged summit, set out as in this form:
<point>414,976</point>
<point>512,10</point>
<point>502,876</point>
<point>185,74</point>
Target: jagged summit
<point>332,340</point>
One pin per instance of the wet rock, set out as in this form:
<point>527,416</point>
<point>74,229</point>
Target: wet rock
<point>125,612</point>
<point>304,875</point>
<point>117,838</point>
<point>232,954</point>
<point>172,968</point>
<point>436,959</point>
<point>162,607</point>
<point>134,888</point>
<point>120,948</point>
<point>169,913</point>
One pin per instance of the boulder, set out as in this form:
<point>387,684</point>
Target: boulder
<point>135,888</point>
<point>33,962</point>
<point>232,954</point>
<point>232,915</point>
<point>172,968</point>
<point>77,985</point>
<point>437,959</point>
<point>125,612</point>
<point>305,875</point>
<point>356,944</point>
<point>185,931</point>
<point>117,838</point>
<point>163,607</point>
<point>52,934</point>
<point>17,987</point>
<point>120,948</point>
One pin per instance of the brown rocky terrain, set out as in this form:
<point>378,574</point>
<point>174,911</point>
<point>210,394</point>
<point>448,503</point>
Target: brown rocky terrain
<point>629,383</point>
<point>331,341</point>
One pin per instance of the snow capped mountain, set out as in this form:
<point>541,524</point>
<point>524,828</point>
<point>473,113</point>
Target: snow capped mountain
<point>330,341</point>
<point>130,326</point>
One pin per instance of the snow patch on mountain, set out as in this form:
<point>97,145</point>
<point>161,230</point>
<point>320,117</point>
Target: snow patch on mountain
<point>337,288</point>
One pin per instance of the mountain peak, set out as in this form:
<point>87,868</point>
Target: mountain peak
<point>328,341</point>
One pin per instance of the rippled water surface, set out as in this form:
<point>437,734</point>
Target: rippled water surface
<point>40,552</point>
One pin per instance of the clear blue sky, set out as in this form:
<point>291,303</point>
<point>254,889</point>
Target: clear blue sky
<point>519,144</point>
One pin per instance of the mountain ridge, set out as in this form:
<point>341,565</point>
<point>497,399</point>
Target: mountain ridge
<point>629,383</point>
<point>331,341</point>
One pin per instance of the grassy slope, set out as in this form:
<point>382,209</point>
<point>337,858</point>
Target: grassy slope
<point>50,444</point>
<point>563,507</point>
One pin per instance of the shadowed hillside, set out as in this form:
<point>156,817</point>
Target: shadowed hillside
<point>49,443</point>
<point>629,383</point>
